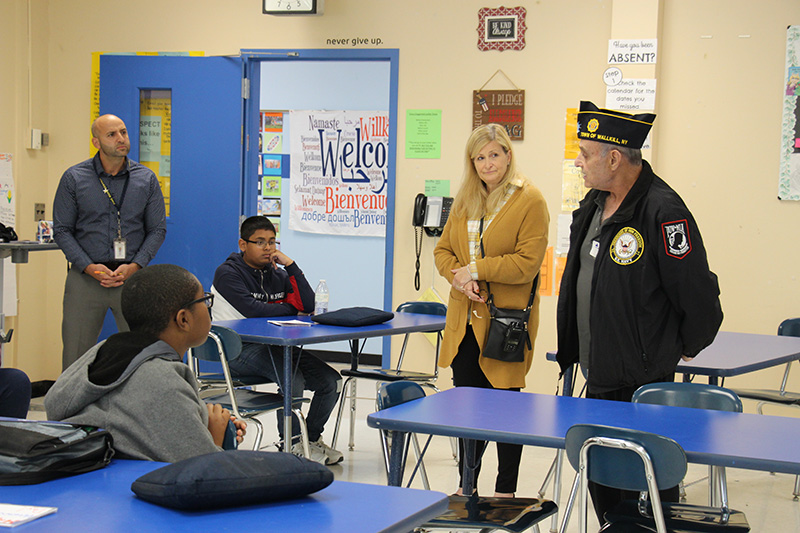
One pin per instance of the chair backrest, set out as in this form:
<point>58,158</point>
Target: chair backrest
<point>209,350</point>
<point>398,392</point>
<point>697,395</point>
<point>622,468</point>
<point>423,308</point>
<point>790,327</point>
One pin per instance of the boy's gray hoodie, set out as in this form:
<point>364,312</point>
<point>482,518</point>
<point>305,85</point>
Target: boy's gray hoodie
<point>152,409</point>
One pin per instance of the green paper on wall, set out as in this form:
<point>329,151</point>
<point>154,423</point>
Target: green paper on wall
<point>423,133</point>
<point>437,187</point>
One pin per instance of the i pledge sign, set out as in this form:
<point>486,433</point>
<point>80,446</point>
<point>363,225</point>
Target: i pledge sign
<point>506,108</point>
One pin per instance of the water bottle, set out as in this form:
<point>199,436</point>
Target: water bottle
<point>321,298</point>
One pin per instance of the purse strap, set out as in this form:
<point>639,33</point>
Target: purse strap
<point>488,287</point>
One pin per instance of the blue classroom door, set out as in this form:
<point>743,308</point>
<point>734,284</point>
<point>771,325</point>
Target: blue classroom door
<point>206,148</point>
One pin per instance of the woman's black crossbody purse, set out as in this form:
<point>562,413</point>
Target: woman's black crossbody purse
<point>508,328</point>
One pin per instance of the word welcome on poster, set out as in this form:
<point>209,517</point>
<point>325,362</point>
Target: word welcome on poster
<point>339,172</point>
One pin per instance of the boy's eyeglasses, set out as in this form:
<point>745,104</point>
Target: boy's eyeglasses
<point>207,299</point>
<point>263,244</point>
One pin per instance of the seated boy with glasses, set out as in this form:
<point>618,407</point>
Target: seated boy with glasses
<point>262,281</point>
<point>136,385</point>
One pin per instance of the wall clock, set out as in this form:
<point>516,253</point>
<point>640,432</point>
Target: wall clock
<point>292,7</point>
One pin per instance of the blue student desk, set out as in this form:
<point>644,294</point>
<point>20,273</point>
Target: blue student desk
<point>102,501</point>
<point>731,354</point>
<point>718,438</point>
<point>259,330</point>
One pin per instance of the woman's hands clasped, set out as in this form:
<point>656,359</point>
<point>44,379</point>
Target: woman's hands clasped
<point>463,282</point>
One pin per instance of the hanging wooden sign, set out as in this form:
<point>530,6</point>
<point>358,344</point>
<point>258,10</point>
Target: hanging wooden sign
<point>506,107</point>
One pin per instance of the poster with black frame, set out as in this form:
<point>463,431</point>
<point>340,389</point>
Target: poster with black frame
<point>501,28</point>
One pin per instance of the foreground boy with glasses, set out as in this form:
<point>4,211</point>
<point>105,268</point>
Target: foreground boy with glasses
<point>135,383</point>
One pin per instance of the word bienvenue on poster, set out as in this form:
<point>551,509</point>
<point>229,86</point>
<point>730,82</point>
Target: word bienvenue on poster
<point>339,169</point>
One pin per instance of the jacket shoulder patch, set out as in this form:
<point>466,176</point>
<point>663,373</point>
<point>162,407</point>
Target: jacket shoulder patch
<point>677,242</point>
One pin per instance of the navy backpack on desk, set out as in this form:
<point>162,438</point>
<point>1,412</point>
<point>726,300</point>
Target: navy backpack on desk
<point>354,317</point>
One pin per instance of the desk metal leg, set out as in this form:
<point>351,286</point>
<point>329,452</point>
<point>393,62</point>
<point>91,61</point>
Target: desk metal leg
<point>354,349</point>
<point>717,487</point>
<point>287,398</point>
<point>471,460</point>
<point>397,458</point>
<point>555,472</point>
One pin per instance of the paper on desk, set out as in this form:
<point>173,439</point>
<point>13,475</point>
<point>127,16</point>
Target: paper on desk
<point>14,515</point>
<point>292,322</point>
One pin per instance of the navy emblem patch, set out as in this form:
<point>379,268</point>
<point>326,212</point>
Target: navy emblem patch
<point>676,238</point>
<point>627,246</point>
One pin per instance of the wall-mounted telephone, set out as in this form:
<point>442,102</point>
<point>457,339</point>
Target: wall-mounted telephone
<point>431,215</point>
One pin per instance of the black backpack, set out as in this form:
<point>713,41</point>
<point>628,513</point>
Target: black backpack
<point>33,451</point>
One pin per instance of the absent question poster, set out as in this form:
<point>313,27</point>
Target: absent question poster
<point>339,169</point>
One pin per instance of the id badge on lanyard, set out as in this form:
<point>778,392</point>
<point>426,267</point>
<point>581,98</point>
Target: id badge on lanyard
<point>120,244</point>
<point>120,249</point>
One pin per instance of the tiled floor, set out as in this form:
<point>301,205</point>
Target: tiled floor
<point>766,499</point>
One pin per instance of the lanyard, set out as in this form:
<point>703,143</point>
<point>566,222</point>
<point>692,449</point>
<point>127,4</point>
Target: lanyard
<point>114,203</point>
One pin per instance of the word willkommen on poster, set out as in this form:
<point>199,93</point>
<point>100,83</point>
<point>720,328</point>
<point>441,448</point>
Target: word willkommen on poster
<point>339,168</point>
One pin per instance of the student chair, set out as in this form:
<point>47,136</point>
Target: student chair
<point>789,327</point>
<point>223,345</point>
<point>396,393</point>
<point>700,396</point>
<point>639,461</point>
<point>390,374</point>
<point>475,512</point>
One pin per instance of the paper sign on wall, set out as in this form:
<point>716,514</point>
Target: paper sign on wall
<point>8,217</point>
<point>632,51</point>
<point>339,172</point>
<point>632,95</point>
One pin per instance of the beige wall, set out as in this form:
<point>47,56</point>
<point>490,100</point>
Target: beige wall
<point>719,105</point>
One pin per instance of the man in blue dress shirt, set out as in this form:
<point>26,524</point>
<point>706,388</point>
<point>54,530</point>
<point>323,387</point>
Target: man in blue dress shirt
<point>109,220</point>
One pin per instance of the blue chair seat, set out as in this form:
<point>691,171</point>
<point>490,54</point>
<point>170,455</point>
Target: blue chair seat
<point>219,379</point>
<point>250,402</point>
<point>679,517</point>
<point>494,514</point>
<point>387,374</point>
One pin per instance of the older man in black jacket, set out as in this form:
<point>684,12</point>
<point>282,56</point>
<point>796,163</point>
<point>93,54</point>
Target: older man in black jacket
<point>637,294</point>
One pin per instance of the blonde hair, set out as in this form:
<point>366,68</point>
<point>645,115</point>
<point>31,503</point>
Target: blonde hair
<point>473,199</point>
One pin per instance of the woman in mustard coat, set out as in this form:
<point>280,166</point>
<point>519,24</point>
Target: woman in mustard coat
<point>514,235</point>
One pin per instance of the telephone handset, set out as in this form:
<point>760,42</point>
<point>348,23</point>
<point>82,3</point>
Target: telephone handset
<point>430,214</point>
